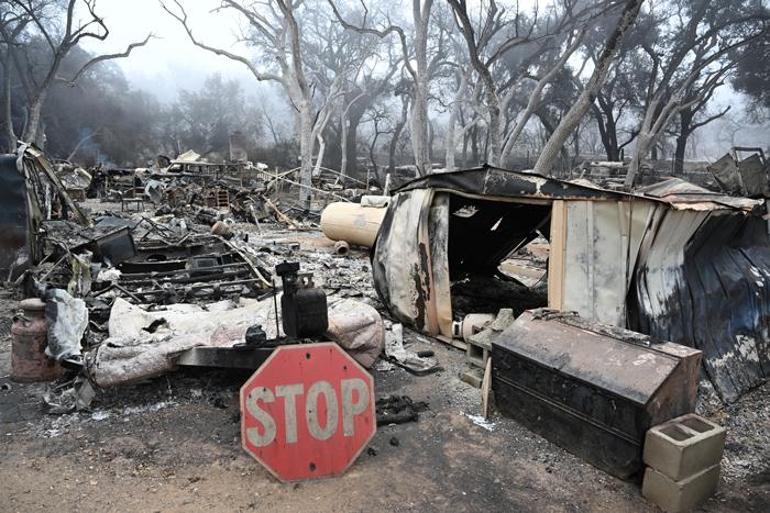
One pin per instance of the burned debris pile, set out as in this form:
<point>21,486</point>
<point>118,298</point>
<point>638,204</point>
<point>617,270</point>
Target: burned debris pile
<point>585,313</point>
<point>142,285</point>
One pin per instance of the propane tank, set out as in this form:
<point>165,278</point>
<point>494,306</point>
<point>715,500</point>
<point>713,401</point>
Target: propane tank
<point>29,339</point>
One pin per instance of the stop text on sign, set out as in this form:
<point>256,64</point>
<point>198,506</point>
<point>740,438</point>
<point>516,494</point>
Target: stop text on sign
<point>308,411</point>
<point>318,407</point>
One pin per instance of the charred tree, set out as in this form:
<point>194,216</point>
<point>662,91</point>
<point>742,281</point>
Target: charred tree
<point>572,118</point>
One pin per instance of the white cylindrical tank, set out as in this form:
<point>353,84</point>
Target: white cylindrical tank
<point>352,223</point>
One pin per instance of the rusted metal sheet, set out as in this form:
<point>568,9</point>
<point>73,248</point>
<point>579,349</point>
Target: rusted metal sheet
<point>753,172</point>
<point>592,389</point>
<point>593,257</point>
<point>400,263</point>
<point>749,177</point>
<point>502,183</point>
<point>682,195</point>
<point>725,172</point>
<point>705,282</point>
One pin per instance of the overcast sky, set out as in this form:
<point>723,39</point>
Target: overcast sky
<point>171,61</point>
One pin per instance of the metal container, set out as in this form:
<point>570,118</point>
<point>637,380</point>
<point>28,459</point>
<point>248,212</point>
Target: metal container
<point>17,238</point>
<point>303,307</point>
<point>590,388</point>
<point>117,246</point>
<point>352,223</point>
<point>29,339</point>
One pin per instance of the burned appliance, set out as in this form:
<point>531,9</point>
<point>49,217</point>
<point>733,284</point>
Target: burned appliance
<point>304,309</point>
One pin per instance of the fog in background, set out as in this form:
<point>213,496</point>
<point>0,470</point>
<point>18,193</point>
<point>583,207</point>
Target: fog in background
<point>169,81</point>
<point>172,62</point>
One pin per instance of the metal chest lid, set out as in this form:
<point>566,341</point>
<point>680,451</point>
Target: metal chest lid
<point>588,353</point>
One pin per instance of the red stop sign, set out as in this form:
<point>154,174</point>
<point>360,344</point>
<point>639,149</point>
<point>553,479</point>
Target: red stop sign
<point>307,412</point>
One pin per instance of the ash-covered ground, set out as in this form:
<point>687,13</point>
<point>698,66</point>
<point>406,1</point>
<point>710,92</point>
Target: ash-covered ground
<point>173,443</point>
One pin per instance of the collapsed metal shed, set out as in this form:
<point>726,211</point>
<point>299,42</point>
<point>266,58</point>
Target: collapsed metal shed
<point>703,280</point>
<point>445,227</point>
<point>675,261</point>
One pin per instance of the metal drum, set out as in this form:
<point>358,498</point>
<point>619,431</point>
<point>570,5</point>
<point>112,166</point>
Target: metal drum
<point>29,331</point>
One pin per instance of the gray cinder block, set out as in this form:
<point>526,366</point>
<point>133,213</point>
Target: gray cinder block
<point>684,446</point>
<point>680,496</point>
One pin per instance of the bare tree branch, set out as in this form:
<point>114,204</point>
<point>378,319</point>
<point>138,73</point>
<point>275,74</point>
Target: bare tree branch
<point>106,57</point>
<point>572,118</point>
<point>381,33</point>
<point>182,19</point>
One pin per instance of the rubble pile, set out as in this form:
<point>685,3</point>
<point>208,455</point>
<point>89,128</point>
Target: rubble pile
<point>135,284</point>
<point>552,290</point>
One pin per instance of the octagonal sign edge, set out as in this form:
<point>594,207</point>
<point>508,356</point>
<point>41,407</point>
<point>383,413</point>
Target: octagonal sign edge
<point>307,412</point>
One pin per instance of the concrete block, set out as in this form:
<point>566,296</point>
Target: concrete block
<point>476,356</point>
<point>684,446</point>
<point>473,377</point>
<point>680,496</point>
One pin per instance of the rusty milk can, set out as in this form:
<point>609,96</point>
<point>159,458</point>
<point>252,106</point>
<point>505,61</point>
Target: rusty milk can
<point>29,339</point>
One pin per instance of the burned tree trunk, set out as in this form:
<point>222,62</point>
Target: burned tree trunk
<point>418,130</point>
<point>10,134</point>
<point>32,132</point>
<point>679,152</point>
<point>349,120</point>
<point>685,129</point>
<point>351,142</point>
<point>306,155</point>
<point>397,133</point>
<point>572,118</point>
<point>688,125</point>
<point>608,133</point>
<point>475,145</point>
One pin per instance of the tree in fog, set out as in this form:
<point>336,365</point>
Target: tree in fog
<point>101,118</point>
<point>12,25</point>
<point>752,74</point>
<point>573,117</point>
<point>97,118</point>
<point>423,45</point>
<point>203,120</point>
<point>460,99</point>
<point>362,93</point>
<point>62,27</point>
<point>399,125</point>
<point>507,48</point>
<point>692,55</point>
<point>352,69</point>
<point>276,34</point>
<point>618,101</point>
